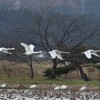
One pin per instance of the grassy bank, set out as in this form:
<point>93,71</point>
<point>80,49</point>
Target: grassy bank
<point>45,80</point>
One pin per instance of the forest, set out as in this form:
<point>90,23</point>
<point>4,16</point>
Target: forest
<point>69,6</point>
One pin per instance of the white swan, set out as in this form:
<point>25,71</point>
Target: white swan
<point>57,88</point>
<point>60,87</point>
<point>5,50</point>
<point>91,52</point>
<point>63,87</point>
<point>3,85</point>
<point>82,88</point>
<point>30,49</point>
<point>33,86</point>
<point>57,53</point>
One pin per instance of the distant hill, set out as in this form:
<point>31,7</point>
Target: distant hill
<point>70,6</point>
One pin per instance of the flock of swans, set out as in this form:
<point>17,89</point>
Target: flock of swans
<point>55,88</point>
<point>54,53</point>
<point>65,87</point>
<point>29,50</point>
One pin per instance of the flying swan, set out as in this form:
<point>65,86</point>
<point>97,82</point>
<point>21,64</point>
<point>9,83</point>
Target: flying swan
<point>5,50</point>
<point>57,53</point>
<point>29,49</point>
<point>91,52</point>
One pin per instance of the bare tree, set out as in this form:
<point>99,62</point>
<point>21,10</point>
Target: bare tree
<point>25,59</point>
<point>54,30</point>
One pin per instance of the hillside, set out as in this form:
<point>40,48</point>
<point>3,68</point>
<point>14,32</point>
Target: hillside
<point>71,6</point>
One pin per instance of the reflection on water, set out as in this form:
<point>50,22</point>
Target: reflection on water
<point>36,94</point>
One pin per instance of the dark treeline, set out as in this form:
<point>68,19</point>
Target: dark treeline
<point>69,6</point>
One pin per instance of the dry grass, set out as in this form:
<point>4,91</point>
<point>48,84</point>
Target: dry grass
<point>21,70</point>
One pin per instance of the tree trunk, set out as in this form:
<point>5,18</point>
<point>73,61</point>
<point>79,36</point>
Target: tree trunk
<point>32,73</point>
<point>31,67</point>
<point>53,71</point>
<point>83,75</point>
<point>32,76</point>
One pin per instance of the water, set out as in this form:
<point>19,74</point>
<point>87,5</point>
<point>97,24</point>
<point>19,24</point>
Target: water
<point>40,94</point>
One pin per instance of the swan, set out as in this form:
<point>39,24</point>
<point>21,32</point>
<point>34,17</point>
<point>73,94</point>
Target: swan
<point>5,50</point>
<point>57,53</point>
<point>57,88</point>
<point>63,87</point>
<point>82,88</point>
<point>33,86</point>
<point>3,85</point>
<point>29,49</point>
<point>91,52</point>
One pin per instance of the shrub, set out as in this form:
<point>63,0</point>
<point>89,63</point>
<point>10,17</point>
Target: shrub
<point>59,71</point>
<point>98,67</point>
<point>47,72</point>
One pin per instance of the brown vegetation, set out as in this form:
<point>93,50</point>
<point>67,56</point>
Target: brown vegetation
<point>12,69</point>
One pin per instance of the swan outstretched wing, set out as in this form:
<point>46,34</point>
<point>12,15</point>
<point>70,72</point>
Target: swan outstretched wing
<point>52,54</point>
<point>8,48</point>
<point>5,51</point>
<point>31,47</point>
<point>63,52</point>
<point>94,53</point>
<point>27,48</point>
<point>96,50</point>
<point>58,54</point>
<point>88,54</point>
